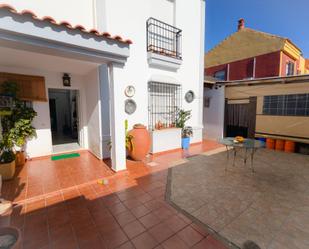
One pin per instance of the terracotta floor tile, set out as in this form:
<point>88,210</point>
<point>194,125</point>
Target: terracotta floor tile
<point>127,245</point>
<point>174,242</point>
<point>144,198</point>
<point>60,232</point>
<point>209,243</point>
<point>161,232</point>
<point>163,213</point>
<point>115,238</point>
<point>175,223</point>
<point>190,236</point>
<point>52,199</point>
<point>90,240</point>
<point>110,200</point>
<point>153,205</point>
<point>107,225</point>
<point>201,230</point>
<point>131,203</point>
<point>133,229</point>
<point>125,218</point>
<point>144,241</point>
<point>66,243</point>
<point>117,208</point>
<point>140,211</point>
<point>149,220</point>
<point>61,205</point>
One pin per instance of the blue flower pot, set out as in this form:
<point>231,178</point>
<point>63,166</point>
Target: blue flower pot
<point>185,143</point>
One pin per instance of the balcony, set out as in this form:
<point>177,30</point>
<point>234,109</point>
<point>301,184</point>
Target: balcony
<point>163,44</point>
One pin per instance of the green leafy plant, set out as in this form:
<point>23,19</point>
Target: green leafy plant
<point>22,130</point>
<point>6,152</point>
<point>7,157</point>
<point>17,128</point>
<point>128,138</point>
<point>187,131</point>
<point>182,117</point>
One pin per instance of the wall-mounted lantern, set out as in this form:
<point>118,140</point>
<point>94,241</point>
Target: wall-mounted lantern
<point>66,79</point>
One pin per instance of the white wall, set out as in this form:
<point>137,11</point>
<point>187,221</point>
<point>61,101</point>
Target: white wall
<point>42,145</point>
<point>75,12</point>
<point>93,110</point>
<point>130,21</point>
<point>214,115</point>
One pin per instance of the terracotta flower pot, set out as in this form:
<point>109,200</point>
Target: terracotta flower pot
<point>20,159</point>
<point>7,170</point>
<point>140,142</point>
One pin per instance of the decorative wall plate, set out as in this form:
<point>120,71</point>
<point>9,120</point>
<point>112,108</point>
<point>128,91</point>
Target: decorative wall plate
<point>129,91</point>
<point>130,106</point>
<point>189,97</point>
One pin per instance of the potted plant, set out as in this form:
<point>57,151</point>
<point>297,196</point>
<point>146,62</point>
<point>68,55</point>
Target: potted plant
<point>22,117</point>
<point>128,139</point>
<point>182,117</point>
<point>186,133</point>
<point>7,157</point>
<point>18,124</point>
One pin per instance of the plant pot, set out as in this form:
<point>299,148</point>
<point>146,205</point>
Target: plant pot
<point>140,142</point>
<point>7,170</point>
<point>185,143</point>
<point>20,159</point>
<point>15,233</point>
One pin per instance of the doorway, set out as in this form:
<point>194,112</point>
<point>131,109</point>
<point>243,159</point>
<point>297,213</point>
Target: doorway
<point>240,118</point>
<point>64,119</point>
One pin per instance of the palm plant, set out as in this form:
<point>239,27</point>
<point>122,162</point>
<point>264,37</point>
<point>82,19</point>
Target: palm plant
<point>182,117</point>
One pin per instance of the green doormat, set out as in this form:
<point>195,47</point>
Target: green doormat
<point>64,156</point>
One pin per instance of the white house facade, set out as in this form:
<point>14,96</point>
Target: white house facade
<point>126,60</point>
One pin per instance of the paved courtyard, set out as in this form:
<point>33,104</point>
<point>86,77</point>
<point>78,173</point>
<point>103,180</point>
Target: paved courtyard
<point>59,204</point>
<point>269,207</point>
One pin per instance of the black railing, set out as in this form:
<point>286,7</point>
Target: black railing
<point>163,38</point>
<point>163,102</point>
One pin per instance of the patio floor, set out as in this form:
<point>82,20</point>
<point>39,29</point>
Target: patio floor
<point>59,204</point>
<point>269,207</point>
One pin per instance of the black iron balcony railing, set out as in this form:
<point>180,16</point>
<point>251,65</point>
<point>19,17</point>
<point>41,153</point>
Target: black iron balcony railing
<point>163,38</point>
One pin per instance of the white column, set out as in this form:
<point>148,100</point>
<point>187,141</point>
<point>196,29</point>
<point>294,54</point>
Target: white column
<point>117,117</point>
<point>105,109</point>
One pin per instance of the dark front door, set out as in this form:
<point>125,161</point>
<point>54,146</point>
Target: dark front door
<point>240,119</point>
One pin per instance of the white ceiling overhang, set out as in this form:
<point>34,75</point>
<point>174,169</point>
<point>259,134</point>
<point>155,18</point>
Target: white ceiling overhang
<point>23,32</point>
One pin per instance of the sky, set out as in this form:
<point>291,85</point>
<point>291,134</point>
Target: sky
<point>287,18</point>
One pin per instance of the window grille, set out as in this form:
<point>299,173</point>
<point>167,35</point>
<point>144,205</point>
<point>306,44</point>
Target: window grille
<point>163,38</point>
<point>163,102</point>
<point>286,105</point>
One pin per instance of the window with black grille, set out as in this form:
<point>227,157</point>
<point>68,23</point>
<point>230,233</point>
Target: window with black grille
<point>286,105</point>
<point>163,102</point>
<point>163,38</point>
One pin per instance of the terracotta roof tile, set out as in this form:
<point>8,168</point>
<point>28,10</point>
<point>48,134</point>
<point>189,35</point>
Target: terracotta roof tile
<point>65,24</point>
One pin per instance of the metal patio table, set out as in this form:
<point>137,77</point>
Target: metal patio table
<point>250,146</point>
